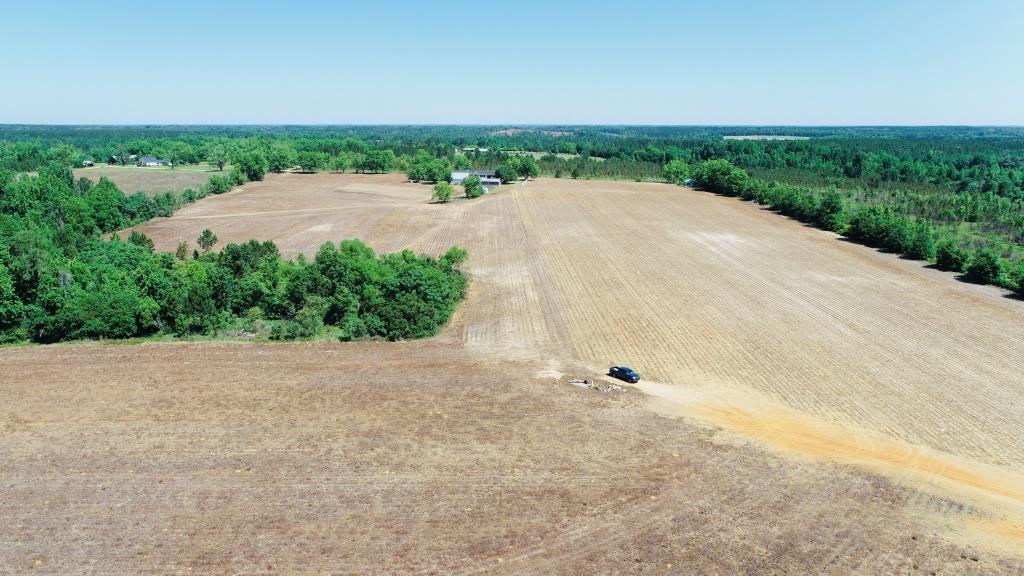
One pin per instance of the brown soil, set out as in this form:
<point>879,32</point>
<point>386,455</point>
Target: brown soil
<point>887,395</point>
<point>150,180</point>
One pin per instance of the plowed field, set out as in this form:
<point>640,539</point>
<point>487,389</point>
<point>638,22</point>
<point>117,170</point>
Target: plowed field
<point>832,409</point>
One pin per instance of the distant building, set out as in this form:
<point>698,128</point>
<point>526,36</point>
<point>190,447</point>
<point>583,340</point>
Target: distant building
<point>87,163</point>
<point>487,177</point>
<point>153,161</point>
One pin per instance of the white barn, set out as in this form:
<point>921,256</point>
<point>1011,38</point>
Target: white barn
<point>487,177</point>
<point>153,161</point>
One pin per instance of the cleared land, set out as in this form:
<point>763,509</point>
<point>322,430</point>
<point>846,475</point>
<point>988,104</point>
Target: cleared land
<point>150,180</point>
<point>890,394</point>
<point>765,137</point>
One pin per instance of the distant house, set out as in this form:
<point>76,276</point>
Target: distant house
<point>487,177</point>
<point>87,163</point>
<point>153,161</point>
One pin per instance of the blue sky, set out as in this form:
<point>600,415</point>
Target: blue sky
<point>636,62</point>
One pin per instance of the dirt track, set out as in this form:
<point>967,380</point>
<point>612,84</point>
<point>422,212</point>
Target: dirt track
<point>366,457</point>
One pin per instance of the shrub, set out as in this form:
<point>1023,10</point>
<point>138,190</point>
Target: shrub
<point>720,176</point>
<point>922,244</point>
<point>218,184</point>
<point>206,240</point>
<point>950,257</point>
<point>676,172</point>
<point>252,164</point>
<point>831,212</point>
<point>985,267</point>
<point>140,239</point>
<point>443,192</point>
<point>1017,277</point>
<point>236,177</point>
<point>309,320</point>
<point>473,187</point>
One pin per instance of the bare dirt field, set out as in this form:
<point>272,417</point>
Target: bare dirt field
<point>765,137</point>
<point>150,180</point>
<point>830,409</point>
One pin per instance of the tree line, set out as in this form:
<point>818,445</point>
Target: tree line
<point>966,183</point>
<point>876,225</point>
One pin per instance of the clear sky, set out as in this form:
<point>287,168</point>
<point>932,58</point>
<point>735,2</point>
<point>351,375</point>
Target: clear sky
<point>481,62</point>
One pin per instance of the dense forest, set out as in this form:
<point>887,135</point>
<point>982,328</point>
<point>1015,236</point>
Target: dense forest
<point>953,196</point>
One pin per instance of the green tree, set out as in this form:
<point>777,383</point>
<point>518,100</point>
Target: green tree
<point>309,161</point>
<point>508,172</point>
<point>218,184</point>
<point>528,167</point>
<point>341,162</point>
<point>107,203</point>
<point>1018,279</point>
<point>11,308</point>
<point>985,267</point>
<point>206,240</point>
<point>472,186</point>
<point>122,154</point>
<point>379,161</point>
<point>721,176</point>
<point>443,192</point>
<point>83,185</point>
<point>218,155</point>
<point>922,244</point>
<point>676,172</point>
<point>140,239</point>
<point>950,257</point>
<point>252,164</point>
<point>831,212</point>
<point>181,253</point>
<point>426,168</point>
<point>280,157</point>
<point>63,154</point>
<point>236,177</point>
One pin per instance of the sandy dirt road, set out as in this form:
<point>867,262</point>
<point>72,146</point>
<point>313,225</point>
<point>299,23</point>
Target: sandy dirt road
<point>841,410</point>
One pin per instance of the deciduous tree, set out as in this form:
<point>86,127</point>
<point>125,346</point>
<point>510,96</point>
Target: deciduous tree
<point>206,240</point>
<point>218,156</point>
<point>443,192</point>
<point>676,172</point>
<point>472,186</point>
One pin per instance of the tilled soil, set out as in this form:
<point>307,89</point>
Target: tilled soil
<point>831,409</point>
